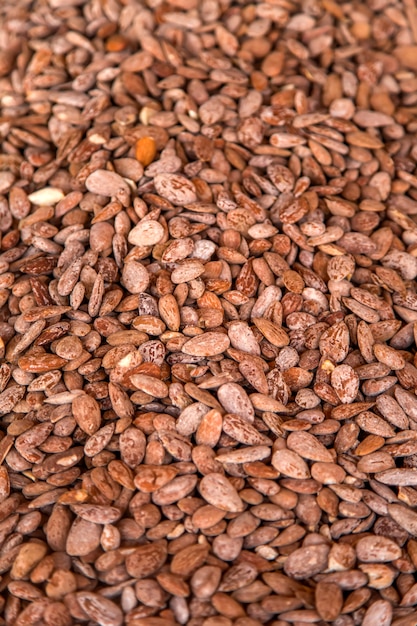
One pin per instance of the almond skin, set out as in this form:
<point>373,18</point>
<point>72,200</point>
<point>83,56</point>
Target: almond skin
<point>145,150</point>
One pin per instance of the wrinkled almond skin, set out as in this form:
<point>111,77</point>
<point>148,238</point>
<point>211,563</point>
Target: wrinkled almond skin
<point>146,560</point>
<point>208,313</point>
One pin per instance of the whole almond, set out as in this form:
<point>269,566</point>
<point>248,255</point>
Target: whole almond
<point>145,150</point>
